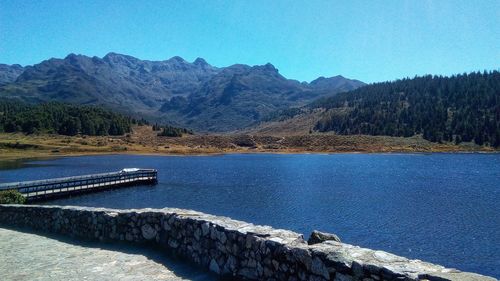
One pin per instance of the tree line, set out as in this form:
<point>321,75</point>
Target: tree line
<point>283,114</point>
<point>64,119</point>
<point>170,131</point>
<point>460,108</point>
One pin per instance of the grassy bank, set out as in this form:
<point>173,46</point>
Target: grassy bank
<point>143,140</point>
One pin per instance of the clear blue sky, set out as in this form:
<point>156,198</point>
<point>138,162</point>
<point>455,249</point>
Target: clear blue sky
<point>367,40</point>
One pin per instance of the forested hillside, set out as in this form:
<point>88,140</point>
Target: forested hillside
<point>61,119</point>
<point>460,108</point>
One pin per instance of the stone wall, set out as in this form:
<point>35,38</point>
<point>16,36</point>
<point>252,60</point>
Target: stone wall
<point>228,247</point>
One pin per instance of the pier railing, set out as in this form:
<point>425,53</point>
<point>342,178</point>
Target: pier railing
<point>57,187</point>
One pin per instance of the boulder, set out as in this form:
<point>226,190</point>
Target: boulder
<point>320,237</point>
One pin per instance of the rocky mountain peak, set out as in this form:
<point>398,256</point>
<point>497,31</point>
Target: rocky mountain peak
<point>9,73</point>
<point>177,59</point>
<point>200,62</point>
<point>269,66</point>
<point>338,81</point>
<point>195,95</point>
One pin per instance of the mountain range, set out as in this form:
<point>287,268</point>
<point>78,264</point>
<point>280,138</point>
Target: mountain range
<point>195,95</point>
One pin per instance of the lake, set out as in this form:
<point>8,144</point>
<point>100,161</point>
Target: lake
<point>442,208</point>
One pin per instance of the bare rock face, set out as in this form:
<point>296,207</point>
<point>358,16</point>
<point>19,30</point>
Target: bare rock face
<point>320,237</point>
<point>9,73</point>
<point>195,95</point>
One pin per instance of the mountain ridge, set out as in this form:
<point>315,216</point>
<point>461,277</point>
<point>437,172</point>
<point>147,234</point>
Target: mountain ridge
<point>192,94</point>
<point>9,73</point>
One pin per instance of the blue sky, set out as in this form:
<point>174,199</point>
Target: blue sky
<point>367,40</point>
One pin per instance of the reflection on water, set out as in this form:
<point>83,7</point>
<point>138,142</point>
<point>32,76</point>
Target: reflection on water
<point>12,164</point>
<point>19,163</point>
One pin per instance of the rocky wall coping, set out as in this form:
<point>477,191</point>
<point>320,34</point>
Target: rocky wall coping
<point>358,258</point>
<point>262,231</point>
<point>319,258</point>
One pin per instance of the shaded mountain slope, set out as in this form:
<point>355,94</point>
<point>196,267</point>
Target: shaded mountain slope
<point>240,96</point>
<point>117,81</point>
<point>196,95</point>
<point>9,73</point>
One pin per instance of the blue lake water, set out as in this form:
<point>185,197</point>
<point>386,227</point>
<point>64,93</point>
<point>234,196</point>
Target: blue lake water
<point>442,208</point>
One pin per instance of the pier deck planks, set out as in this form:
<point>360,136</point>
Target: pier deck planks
<point>59,187</point>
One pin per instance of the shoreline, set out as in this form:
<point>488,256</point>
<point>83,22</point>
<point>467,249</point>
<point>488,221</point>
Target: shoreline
<point>208,154</point>
<point>144,141</point>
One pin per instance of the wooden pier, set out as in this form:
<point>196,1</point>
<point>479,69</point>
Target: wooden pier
<point>60,187</point>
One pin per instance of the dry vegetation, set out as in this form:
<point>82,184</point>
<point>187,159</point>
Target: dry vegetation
<point>297,125</point>
<point>144,140</point>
